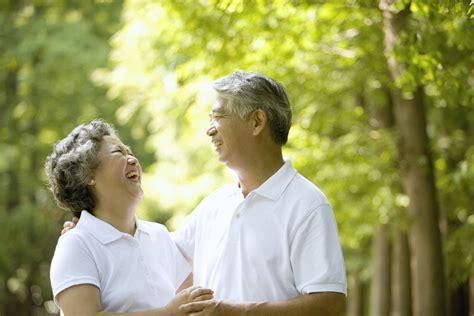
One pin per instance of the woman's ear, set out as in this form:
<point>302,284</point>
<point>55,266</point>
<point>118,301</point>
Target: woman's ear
<point>259,121</point>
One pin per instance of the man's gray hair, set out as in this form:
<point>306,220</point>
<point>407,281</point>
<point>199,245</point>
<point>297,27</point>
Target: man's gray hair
<point>69,167</point>
<point>245,92</point>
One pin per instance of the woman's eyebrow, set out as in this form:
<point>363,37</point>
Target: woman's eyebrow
<point>122,147</point>
<point>126,149</point>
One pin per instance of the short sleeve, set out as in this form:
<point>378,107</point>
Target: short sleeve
<point>72,264</point>
<point>185,236</point>
<point>316,255</point>
<point>183,268</point>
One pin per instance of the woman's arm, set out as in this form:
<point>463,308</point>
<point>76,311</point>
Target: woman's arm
<point>84,300</point>
<point>188,282</point>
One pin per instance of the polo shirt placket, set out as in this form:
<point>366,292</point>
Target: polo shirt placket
<point>235,224</point>
<point>142,255</point>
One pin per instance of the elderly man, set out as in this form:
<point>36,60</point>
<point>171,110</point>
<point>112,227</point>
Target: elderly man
<point>268,244</point>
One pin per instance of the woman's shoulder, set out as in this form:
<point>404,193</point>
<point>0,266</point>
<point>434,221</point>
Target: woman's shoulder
<point>152,227</point>
<point>75,237</point>
<point>74,243</point>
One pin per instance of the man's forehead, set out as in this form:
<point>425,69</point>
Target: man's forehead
<point>218,106</point>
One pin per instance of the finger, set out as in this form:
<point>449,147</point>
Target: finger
<point>75,220</point>
<point>200,291</point>
<point>67,224</point>
<point>205,297</point>
<point>194,307</point>
<point>187,291</point>
<point>190,289</point>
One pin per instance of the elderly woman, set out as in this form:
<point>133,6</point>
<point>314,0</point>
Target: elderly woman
<point>112,262</point>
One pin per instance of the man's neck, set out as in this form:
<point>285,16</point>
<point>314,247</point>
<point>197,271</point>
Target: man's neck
<point>258,171</point>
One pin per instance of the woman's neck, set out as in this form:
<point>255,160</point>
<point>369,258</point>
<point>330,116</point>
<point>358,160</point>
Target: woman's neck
<point>120,216</point>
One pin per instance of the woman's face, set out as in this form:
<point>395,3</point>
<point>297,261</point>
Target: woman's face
<point>118,175</point>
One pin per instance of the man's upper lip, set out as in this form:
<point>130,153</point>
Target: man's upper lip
<point>216,142</point>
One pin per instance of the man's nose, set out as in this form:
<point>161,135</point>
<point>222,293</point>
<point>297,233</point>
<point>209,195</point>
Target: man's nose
<point>211,130</point>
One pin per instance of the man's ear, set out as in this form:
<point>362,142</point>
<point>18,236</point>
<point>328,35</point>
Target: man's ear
<point>259,121</point>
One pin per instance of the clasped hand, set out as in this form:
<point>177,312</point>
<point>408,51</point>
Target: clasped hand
<point>194,299</point>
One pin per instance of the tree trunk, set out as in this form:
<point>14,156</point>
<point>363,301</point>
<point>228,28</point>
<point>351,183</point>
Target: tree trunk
<point>380,289</point>
<point>11,93</point>
<point>401,277</point>
<point>355,297</point>
<point>417,180</point>
<point>471,295</point>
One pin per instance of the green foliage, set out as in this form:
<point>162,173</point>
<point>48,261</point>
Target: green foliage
<point>146,66</point>
<point>31,232</point>
<point>49,52</point>
<point>330,58</point>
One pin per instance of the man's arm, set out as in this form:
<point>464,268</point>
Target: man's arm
<point>84,300</point>
<point>324,303</point>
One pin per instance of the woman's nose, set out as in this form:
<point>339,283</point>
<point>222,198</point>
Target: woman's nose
<point>211,130</point>
<point>131,160</point>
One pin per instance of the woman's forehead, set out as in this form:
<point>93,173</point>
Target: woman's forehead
<point>112,140</point>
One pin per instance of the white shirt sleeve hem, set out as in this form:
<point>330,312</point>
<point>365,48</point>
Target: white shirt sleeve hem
<point>329,287</point>
<point>184,272</point>
<point>71,283</point>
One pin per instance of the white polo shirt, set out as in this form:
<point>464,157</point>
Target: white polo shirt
<point>278,243</point>
<point>132,273</point>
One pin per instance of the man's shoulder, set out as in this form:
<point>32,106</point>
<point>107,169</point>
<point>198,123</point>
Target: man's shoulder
<point>222,192</point>
<point>301,188</point>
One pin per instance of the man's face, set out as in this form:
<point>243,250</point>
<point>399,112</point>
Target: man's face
<point>229,134</point>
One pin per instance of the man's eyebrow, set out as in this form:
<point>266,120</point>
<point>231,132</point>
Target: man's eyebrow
<point>219,111</point>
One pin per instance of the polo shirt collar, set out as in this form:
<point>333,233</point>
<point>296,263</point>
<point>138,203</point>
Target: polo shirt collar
<point>274,186</point>
<point>103,231</point>
<point>141,226</point>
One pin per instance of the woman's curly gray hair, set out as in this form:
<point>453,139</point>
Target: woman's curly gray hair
<point>69,167</point>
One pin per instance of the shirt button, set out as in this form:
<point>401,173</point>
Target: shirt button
<point>237,215</point>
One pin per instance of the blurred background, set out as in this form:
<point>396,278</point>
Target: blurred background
<point>382,94</point>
